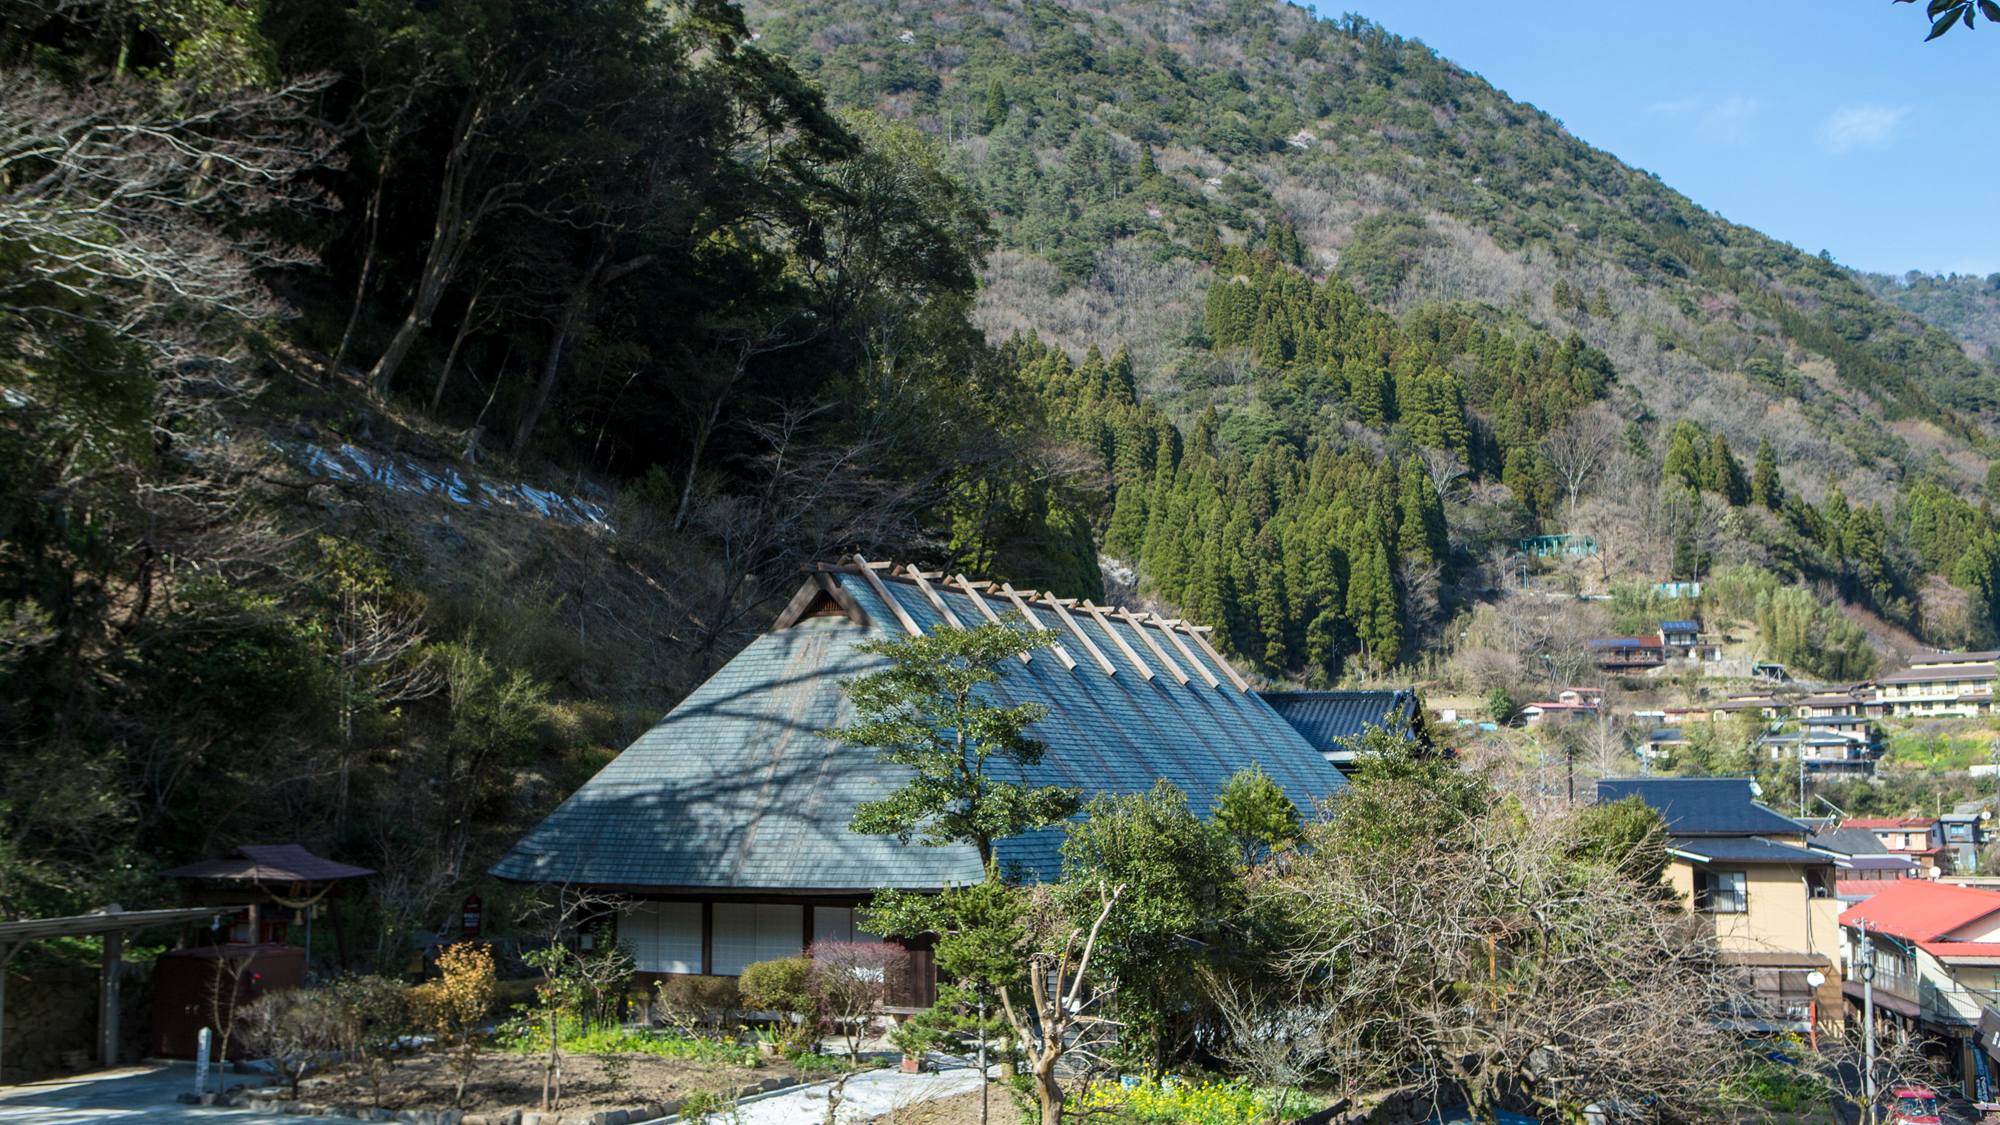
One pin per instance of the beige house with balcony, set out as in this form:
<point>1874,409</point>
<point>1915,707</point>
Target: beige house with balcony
<point>1745,870</point>
<point>1939,684</point>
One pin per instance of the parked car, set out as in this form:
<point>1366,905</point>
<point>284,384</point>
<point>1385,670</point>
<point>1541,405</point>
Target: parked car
<point>1913,1105</point>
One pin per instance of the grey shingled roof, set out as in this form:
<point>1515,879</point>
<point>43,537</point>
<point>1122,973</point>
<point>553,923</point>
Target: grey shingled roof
<point>1703,806</point>
<point>1327,717</point>
<point>1746,849</point>
<point>733,789</point>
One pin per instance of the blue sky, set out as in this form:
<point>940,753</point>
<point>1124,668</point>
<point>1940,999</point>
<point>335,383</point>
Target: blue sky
<point>1829,124</point>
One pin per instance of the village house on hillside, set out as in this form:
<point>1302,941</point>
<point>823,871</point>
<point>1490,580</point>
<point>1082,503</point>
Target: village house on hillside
<point>1940,683</point>
<point>1936,951</point>
<point>727,822</point>
<point>1918,838</point>
<point>1747,871</point>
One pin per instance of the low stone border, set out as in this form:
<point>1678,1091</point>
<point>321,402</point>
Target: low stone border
<point>271,1100</point>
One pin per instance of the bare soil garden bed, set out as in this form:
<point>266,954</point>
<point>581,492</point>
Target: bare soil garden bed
<point>504,1081</point>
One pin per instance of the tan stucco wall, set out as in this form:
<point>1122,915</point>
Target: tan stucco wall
<point>1780,918</point>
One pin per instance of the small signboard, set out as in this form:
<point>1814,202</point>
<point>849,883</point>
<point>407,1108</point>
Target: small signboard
<point>468,926</point>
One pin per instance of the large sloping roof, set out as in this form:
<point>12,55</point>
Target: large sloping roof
<point>734,790</point>
<point>274,863</point>
<point>1325,718</point>
<point>1746,849</point>
<point>1922,910</point>
<point>1703,806</point>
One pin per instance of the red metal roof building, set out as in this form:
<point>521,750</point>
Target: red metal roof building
<point>1935,947</point>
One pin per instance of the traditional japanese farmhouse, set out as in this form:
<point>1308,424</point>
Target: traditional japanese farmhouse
<point>727,822</point>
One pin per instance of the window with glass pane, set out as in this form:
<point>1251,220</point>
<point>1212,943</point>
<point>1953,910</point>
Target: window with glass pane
<point>1720,892</point>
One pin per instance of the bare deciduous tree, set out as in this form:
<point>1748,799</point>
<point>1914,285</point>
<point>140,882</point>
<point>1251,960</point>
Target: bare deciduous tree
<point>1578,449</point>
<point>1481,961</point>
<point>1058,1019</point>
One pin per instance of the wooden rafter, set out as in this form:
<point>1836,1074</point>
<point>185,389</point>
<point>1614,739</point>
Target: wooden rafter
<point>1096,613</point>
<point>930,595</point>
<point>882,591</point>
<point>971,590</point>
<point>1200,667</point>
<point>1076,631</point>
<point>1139,627</point>
<point>1028,615</point>
<point>1241,684</point>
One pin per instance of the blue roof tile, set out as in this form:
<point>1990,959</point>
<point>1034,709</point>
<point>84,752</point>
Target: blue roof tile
<point>1703,806</point>
<point>733,789</point>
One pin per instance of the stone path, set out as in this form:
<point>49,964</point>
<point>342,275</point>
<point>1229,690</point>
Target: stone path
<point>134,1094</point>
<point>147,1094</point>
<point>866,1095</point>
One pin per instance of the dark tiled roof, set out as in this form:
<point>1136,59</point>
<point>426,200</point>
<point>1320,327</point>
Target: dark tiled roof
<point>1849,841</point>
<point>1954,658</point>
<point>1625,642</point>
<point>1680,626</point>
<point>1703,806</point>
<point>1327,717</point>
<point>1957,673</point>
<point>282,863</point>
<point>734,790</point>
<point>1746,849</point>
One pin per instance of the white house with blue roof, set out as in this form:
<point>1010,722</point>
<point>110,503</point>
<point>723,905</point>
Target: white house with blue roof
<point>726,824</point>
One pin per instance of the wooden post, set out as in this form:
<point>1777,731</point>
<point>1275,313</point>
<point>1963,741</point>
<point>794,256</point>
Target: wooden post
<point>6,955</point>
<point>107,1020</point>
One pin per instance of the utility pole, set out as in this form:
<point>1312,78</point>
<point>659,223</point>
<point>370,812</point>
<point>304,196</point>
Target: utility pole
<point>1868,1025</point>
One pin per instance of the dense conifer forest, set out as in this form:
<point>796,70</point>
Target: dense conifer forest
<point>1284,323</point>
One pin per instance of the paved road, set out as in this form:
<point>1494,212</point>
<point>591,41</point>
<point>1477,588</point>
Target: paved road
<point>135,1094</point>
<point>146,1094</point>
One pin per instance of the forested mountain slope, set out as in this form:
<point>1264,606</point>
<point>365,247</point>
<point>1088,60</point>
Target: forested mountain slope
<point>1228,191</point>
<point>1966,307</point>
<point>1306,325</point>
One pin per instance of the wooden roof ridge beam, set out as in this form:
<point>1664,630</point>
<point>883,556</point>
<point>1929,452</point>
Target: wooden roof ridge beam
<point>1139,627</point>
<point>1200,667</point>
<point>1242,685</point>
<point>882,591</point>
<point>1028,614</point>
<point>1082,638</point>
<point>930,595</point>
<point>1096,613</point>
<point>977,599</point>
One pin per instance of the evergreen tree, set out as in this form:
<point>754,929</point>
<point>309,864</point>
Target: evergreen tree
<point>1684,455</point>
<point>1254,814</point>
<point>1600,305</point>
<point>996,105</point>
<point>1560,295</point>
<point>1212,250</point>
<point>1147,169</point>
<point>1424,535</point>
<point>1765,486</point>
<point>929,710</point>
<point>1371,604</point>
<point>1725,473</point>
